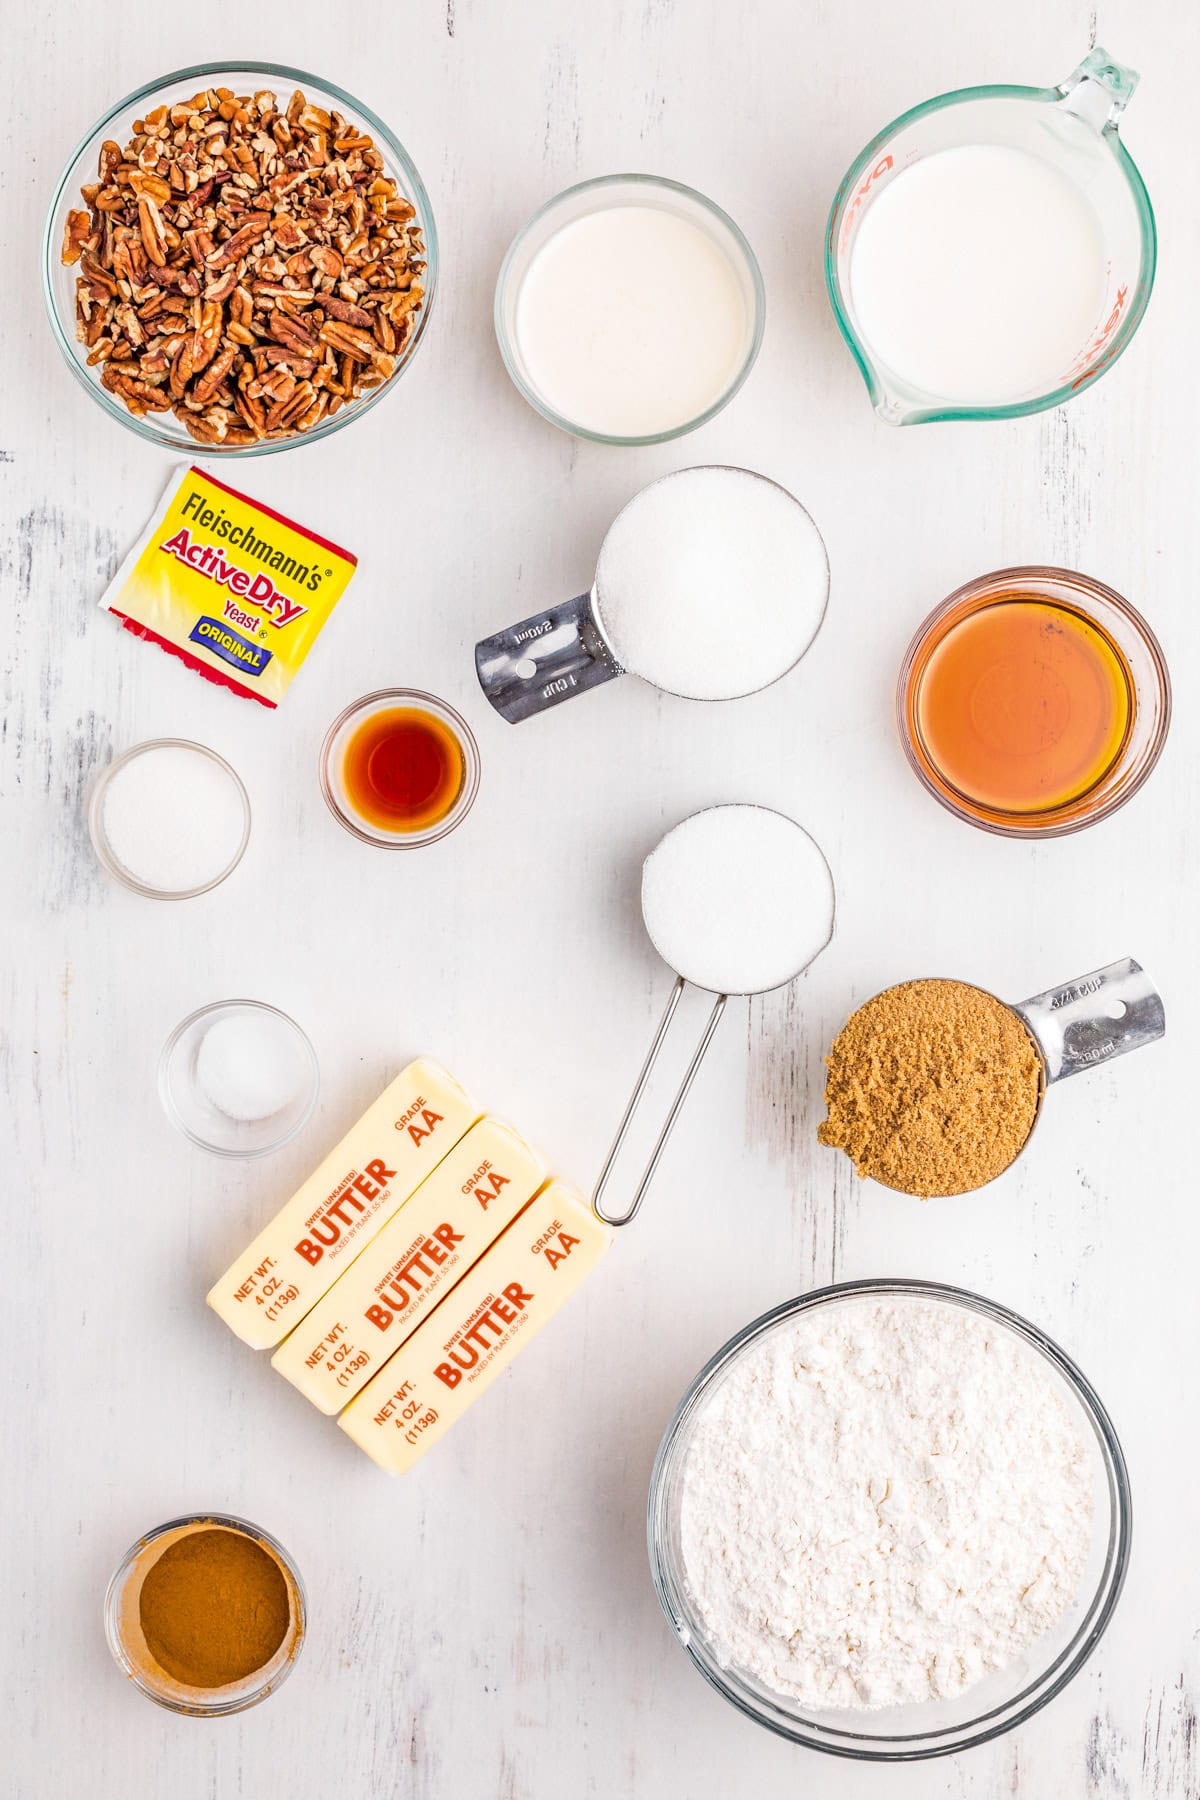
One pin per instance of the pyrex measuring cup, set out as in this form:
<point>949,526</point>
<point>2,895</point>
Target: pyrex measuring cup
<point>1074,1027</point>
<point>1074,129</point>
<point>735,896</point>
<point>715,581</point>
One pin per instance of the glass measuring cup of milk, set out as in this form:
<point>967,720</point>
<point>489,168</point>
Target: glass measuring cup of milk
<point>711,584</point>
<point>992,251</point>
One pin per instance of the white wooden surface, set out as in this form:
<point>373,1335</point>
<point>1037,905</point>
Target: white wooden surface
<point>487,1626</point>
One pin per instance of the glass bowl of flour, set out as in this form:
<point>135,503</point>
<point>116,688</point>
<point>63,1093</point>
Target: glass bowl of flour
<point>889,1520</point>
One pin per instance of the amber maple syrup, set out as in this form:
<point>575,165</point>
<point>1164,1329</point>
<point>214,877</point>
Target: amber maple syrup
<point>403,769</point>
<point>1022,705</point>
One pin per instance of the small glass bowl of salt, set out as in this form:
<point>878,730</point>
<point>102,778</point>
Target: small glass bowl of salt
<point>169,819</point>
<point>239,1078</point>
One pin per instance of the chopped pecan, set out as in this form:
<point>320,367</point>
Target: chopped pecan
<point>348,339</point>
<point>223,286</point>
<point>151,222</point>
<point>349,315</point>
<point>210,385</point>
<point>96,278</point>
<point>287,233</point>
<point>122,379</point>
<point>235,248</point>
<point>292,332</point>
<point>326,261</point>
<point>76,235</point>
<point>299,365</point>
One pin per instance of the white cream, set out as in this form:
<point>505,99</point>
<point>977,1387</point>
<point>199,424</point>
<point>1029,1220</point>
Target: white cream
<point>631,321</point>
<point>977,275</point>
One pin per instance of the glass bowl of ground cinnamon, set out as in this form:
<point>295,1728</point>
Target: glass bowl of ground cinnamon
<point>206,1614</point>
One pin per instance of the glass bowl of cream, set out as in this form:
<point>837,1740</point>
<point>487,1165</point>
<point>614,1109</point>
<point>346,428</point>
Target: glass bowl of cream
<point>629,310</point>
<point>847,1493</point>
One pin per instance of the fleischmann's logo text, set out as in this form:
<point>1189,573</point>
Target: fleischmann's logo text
<point>218,522</point>
<point>254,585</point>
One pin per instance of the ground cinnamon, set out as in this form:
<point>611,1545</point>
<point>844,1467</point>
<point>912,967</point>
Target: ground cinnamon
<point>214,1607</point>
<point>932,1087</point>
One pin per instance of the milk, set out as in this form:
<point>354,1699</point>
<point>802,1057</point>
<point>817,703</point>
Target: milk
<point>631,321</point>
<point>977,275</point>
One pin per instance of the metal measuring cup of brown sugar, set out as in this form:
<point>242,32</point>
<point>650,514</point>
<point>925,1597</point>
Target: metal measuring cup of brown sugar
<point>1073,1027</point>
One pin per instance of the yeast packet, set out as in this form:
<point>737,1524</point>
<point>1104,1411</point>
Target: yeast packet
<point>234,589</point>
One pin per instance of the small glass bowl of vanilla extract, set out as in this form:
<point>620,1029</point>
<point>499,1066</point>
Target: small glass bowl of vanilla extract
<point>1033,702</point>
<point>399,768</point>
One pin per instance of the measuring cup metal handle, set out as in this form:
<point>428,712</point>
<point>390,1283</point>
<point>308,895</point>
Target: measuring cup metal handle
<point>1094,1018</point>
<point>1099,90</point>
<point>714,1019</point>
<point>543,661</point>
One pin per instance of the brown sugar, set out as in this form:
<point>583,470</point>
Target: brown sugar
<point>932,1087</point>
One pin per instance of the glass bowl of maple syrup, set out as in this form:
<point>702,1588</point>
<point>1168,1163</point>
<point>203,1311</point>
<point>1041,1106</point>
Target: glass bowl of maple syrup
<point>399,768</point>
<point>1033,702</point>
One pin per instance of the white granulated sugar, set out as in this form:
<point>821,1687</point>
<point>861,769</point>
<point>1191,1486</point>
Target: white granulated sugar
<point>737,899</point>
<point>884,1502</point>
<point>173,818</point>
<point>711,583</point>
<point>250,1065</point>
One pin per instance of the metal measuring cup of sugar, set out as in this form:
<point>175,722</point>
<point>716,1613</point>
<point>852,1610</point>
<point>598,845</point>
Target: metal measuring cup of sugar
<point>567,649</point>
<point>810,871</point>
<point>1080,1024</point>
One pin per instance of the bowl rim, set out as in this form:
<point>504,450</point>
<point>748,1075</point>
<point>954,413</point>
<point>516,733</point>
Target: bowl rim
<point>640,180</point>
<point>50,259</point>
<point>1036,1694</point>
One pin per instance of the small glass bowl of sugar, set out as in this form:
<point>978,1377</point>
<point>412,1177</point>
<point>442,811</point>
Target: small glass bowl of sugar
<point>239,1078</point>
<point>169,819</point>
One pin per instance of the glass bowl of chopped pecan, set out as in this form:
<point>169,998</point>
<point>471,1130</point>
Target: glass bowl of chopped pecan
<point>239,258</point>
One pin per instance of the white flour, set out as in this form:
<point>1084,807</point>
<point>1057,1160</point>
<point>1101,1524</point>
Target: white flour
<point>884,1502</point>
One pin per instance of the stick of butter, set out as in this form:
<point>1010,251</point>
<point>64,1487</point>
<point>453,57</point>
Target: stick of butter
<point>435,1238</point>
<point>381,1161</point>
<point>477,1330</point>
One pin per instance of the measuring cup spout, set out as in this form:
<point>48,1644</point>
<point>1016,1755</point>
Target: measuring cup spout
<point>1094,1018</point>
<point>893,407</point>
<point>1099,90</point>
<point>540,662</point>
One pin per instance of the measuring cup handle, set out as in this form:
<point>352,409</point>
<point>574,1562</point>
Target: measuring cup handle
<point>540,662</point>
<point>714,1019</point>
<point>1099,90</point>
<point>1093,1019</point>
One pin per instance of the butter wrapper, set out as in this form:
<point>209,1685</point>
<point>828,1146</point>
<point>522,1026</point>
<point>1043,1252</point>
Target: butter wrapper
<point>481,1325</point>
<point>235,590</point>
<point>434,1239</point>
<point>347,1199</point>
